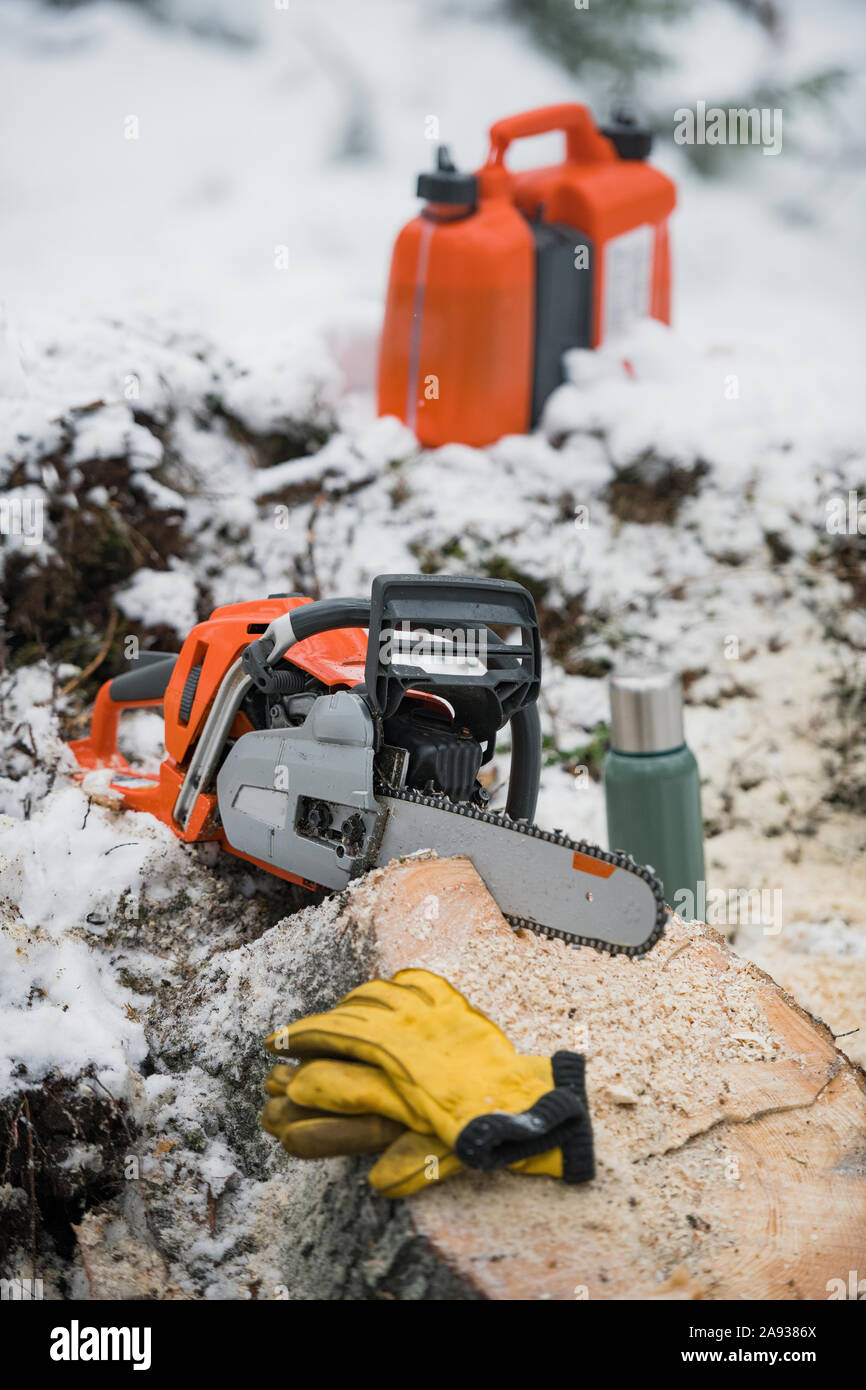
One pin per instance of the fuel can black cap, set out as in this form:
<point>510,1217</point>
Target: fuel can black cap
<point>630,139</point>
<point>446,184</point>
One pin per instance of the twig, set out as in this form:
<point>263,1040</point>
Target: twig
<point>31,1166</point>
<point>211,1209</point>
<point>25,724</point>
<point>683,946</point>
<point>315,510</point>
<point>98,659</point>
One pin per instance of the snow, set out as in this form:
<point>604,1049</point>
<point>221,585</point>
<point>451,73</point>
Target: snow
<point>62,1012</point>
<point>149,288</point>
<point>112,433</point>
<point>61,890</point>
<point>162,598</point>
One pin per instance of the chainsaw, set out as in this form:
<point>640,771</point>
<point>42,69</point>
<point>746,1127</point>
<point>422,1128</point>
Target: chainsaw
<point>318,739</point>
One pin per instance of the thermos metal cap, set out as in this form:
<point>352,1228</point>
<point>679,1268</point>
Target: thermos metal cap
<point>646,710</point>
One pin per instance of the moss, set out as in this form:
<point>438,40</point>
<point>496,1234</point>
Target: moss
<point>196,1140</point>
<point>176,1059</point>
<point>139,984</point>
<point>453,550</point>
<point>589,755</point>
<point>500,567</point>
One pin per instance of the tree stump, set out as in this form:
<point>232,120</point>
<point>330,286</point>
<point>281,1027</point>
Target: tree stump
<point>730,1132</point>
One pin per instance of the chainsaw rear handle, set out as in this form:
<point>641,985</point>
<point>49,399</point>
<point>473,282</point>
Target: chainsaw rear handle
<point>584,142</point>
<point>141,688</point>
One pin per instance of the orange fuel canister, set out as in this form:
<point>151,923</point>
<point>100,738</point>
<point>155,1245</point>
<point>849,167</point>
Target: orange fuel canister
<point>456,354</point>
<point>502,272</point>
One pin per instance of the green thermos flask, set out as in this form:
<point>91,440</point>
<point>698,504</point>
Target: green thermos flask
<point>651,783</point>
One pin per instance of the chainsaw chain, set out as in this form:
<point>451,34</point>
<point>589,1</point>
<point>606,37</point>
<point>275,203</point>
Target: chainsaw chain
<point>521,827</point>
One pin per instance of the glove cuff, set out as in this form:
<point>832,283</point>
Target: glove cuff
<point>558,1120</point>
<point>578,1155</point>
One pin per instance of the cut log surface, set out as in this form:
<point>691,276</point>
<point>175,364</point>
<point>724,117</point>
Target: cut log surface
<point>730,1132</point>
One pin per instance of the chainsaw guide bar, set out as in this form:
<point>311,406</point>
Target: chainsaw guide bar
<point>621,904</point>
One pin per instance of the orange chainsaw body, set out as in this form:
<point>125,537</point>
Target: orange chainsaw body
<point>335,658</point>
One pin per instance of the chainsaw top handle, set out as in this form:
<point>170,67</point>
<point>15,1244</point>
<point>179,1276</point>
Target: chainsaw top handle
<point>449,621</point>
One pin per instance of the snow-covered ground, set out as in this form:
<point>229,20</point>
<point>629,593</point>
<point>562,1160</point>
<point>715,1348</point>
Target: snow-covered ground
<point>147,319</point>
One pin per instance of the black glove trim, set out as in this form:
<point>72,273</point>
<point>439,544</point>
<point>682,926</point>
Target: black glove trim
<point>578,1155</point>
<point>558,1120</point>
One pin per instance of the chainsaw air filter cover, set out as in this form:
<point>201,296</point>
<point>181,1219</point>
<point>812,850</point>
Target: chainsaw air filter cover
<point>441,757</point>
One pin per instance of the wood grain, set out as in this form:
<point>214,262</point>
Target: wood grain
<point>730,1131</point>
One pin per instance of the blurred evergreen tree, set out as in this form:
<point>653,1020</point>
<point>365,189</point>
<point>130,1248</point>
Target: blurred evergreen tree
<point>613,44</point>
<point>621,36</point>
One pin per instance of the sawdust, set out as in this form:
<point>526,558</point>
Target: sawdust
<point>670,1041</point>
<point>547,995</point>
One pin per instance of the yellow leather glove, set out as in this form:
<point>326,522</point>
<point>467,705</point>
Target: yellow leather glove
<point>314,1133</point>
<point>409,1162</point>
<point>328,1088</point>
<point>413,1051</point>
